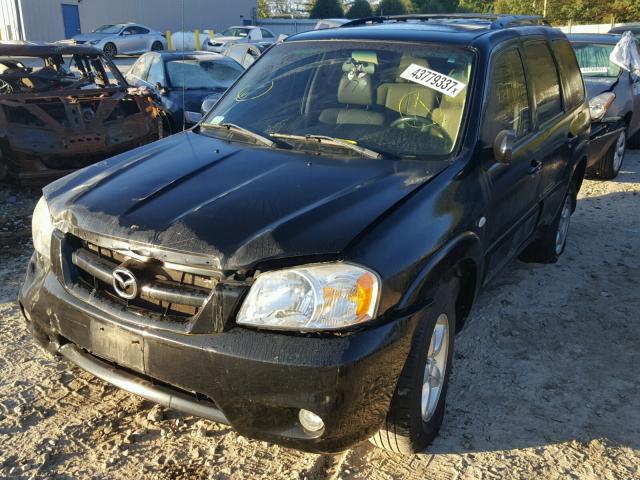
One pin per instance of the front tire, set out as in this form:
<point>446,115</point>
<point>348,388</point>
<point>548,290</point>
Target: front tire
<point>157,46</point>
<point>417,407</point>
<point>110,50</point>
<point>609,165</point>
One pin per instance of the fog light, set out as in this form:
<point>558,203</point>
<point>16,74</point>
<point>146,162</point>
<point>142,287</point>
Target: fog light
<point>310,421</point>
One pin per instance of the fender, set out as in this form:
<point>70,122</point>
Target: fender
<point>466,246</point>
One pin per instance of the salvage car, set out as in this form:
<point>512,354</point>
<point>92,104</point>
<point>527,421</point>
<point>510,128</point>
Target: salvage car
<point>244,34</point>
<point>63,107</point>
<point>181,81</point>
<point>298,264</point>
<point>614,101</point>
<point>246,53</point>
<point>123,39</point>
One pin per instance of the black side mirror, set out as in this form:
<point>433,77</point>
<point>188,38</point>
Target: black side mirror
<point>162,90</point>
<point>503,146</point>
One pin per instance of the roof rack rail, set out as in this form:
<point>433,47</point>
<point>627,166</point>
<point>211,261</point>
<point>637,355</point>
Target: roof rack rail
<point>495,22</point>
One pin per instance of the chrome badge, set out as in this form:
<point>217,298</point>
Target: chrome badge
<point>125,283</point>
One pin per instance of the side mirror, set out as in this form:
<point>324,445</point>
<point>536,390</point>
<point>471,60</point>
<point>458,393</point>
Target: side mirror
<point>161,89</point>
<point>503,146</point>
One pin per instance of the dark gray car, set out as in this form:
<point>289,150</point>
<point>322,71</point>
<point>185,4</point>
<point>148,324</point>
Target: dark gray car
<point>614,101</point>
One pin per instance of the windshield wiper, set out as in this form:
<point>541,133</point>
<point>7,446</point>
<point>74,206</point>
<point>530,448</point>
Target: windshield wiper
<point>324,139</point>
<point>232,127</point>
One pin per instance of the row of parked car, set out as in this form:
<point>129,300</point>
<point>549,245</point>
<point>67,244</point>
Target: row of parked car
<point>298,264</point>
<point>135,39</point>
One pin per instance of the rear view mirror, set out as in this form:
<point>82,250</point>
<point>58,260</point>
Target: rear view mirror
<point>503,146</point>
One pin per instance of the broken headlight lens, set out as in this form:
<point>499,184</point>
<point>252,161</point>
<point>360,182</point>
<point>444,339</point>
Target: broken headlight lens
<point>599,104</point>
<point>42,228</point>
<point>315,297</point>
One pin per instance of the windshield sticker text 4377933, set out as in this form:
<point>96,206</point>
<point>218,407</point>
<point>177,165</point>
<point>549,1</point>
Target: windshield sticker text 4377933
<point>432,79</point>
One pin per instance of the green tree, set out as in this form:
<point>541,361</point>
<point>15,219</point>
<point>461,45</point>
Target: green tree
<point>475,6</point>
<point>263,9</point>
<point>392,7</point>
<point>326,9</point>
<point>434,6</point>
<point>359,9</point>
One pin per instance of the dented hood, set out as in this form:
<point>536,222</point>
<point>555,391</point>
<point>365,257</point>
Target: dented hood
<point>236,204</point>
<point>596,86</point>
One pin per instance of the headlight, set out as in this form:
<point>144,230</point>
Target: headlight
<point>311,298</point>
<point>598,105</point>
<point>94,42</point>
<point>42,228</point>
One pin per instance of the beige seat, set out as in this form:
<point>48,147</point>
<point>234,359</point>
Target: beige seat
<point>405,97</point>
<point>449,113</point>
<point>357,96</point>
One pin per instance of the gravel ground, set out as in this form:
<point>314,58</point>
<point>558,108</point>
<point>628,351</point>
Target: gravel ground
<point>545,381</point>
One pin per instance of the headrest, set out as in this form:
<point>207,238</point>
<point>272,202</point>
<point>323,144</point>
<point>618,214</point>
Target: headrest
<point>406,61</point>
<point>356,91</point>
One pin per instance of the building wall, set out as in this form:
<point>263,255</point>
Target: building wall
<point>43,18</point>
<point>9,24</point>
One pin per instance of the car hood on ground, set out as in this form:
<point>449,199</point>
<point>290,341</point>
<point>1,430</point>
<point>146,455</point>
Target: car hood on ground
<point>226,39</point>
<point>237,204</point>
<point>596,86</point>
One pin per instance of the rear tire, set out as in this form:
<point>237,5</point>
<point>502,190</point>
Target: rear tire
<point>417,407</point>
<point>609,165</point>
<point>551,244</point>
<point>110,50</point>
<point>157,46</point>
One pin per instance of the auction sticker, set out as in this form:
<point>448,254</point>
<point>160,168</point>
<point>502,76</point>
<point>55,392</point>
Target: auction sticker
<point>594,70</point>
<point>432,79</point>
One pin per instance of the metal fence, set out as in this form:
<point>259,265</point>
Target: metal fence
<point>287,26</point>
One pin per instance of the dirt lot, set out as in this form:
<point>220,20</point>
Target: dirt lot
<point>546,381</point>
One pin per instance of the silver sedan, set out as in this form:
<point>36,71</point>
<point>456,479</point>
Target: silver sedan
<point>123,39</point>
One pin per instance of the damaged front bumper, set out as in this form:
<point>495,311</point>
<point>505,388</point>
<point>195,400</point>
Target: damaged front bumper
<point>253,380</point>
<point>603,135</point>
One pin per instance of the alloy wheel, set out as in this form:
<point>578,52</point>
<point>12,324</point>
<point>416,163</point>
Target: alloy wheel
<point>563,225</point>
<point>435,368</point>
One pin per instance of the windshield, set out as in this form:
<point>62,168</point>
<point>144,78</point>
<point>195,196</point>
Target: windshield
<point>235,32</point>
<point>397,99</point>
<point>593,59</point>
<point>196,73</point>
<point>108,29</point>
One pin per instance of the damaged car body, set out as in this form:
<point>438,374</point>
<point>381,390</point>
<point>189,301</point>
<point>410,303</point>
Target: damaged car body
<point>297,265</point>
<point>614,100</point>
<point>71,109</point>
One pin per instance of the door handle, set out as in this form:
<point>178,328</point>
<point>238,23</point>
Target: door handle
<point>536,166</point>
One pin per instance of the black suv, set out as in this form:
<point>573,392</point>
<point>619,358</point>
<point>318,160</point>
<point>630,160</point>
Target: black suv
<point>298,264</point>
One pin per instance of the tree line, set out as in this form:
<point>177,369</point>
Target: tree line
<point>558,12</point>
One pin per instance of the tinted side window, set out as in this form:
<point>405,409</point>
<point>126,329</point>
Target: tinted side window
<point>507,106</point>
<point>570,72</point>
<point>142,31</point>
<point>266,33</point>
<point>544,77</point>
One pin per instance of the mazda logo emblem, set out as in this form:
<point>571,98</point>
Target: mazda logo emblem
<point>125,283</point>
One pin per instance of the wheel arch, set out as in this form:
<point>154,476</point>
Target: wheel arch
<point>462,257</point>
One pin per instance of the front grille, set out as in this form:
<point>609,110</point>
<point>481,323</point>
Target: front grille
<point>164,292</point>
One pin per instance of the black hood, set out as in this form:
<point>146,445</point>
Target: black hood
<point>596,86</point>
<point>237,204</point>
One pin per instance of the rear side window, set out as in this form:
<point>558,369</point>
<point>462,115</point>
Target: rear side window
<point>570,72</point>
<point>544,78</point>
<point>507,106</point>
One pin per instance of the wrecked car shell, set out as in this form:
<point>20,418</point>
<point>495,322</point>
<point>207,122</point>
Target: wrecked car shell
<point>74,109</point>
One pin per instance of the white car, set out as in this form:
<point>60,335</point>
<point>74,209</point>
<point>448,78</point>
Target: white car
<point>123,39</point>
<point>244,34</point>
